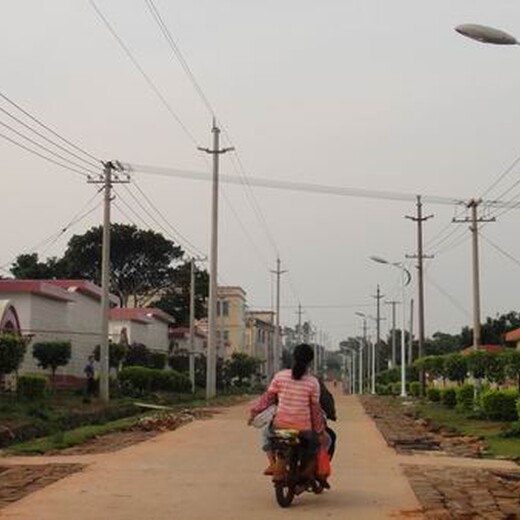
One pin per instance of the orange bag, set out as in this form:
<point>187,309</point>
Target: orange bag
<point>322,463</point>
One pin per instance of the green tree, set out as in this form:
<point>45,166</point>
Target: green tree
<point>137,354</point>
<point>141,261</point>
<point>28,266</point>
<point>52,354</point>
<point>442,343</point>
<point>12,352</point>
<point>116,354</point>
<point>241,367</point>
<point>455,367</point>
<point>477,362</point>
<point>175,300</point>
<point>512,365</point>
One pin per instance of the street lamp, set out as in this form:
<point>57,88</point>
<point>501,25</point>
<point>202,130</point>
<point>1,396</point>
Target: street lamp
<point>407,278</point>
<point>370,356</point>
<point>484,34</point>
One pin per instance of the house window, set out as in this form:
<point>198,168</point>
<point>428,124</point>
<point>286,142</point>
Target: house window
<point>218,307</point>
<point>225,335</point>
<point>225,308</point>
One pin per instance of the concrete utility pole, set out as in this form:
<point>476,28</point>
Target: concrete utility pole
<point>277,353</point>
<point>192,321</point>
<point>107,180</point>
<point>419,218</point>
<point>410,339</point>
<point>474,219</point>
<point>375,361</point>
<point>299,335</point>
<point>211,361</point>
<point>394,335</point>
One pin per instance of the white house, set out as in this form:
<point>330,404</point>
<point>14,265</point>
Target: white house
<point>57,310</point>
<point>180,340</point>
<point>141,325</point>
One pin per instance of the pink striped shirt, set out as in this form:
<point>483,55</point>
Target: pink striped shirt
<point>295,397</point>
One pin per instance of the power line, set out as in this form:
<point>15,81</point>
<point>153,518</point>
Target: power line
<point>178,236</point>
<point>447,295</point>
<point>48,150</point>
<point>53,132</point>
<point>146,77</point>
<point>178,54</point>
<point>500,250</point>
<point>30,150</point>
<point>293,185</point>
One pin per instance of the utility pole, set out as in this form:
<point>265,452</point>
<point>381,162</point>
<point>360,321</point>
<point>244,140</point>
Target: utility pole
<point>474,219</point>
<point>299,335</point>
<point>419,218</point>
<point>192,321</point>
<point>410,339</point>
<point>211,361</point>
<point>394,335</point>
<point>107,180</point>
<point>375,362</point>
<point>276,353</point>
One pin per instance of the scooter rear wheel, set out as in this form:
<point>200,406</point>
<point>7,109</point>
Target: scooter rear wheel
<point>284,494</point>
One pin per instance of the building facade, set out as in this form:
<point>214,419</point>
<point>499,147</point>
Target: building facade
<point>231,320</point>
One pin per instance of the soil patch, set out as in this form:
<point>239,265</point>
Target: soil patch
<point>466,494</point>
<point>18,481</point>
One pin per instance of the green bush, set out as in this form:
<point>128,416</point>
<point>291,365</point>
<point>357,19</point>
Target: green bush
<point>449,397</point>
<point>500,405</point>
<point>157,360</point>
<point>415,388</point>
<point>52,354</point>
<point>433,394</point>
<point>12,352</point>
<point>465,397</point>
<point>518,407</point>
<point>396,388</point>
<point>32,386</point>
<point>384,389</point>
<point>141,380</point>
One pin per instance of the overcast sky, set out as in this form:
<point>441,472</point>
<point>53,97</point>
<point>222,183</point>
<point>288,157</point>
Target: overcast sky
<point>361,94</point>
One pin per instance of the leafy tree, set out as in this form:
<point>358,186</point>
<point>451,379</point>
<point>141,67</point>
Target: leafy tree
<point>175,300</point>
<point>512,365</point>
<point>28,266</point>
<point>495,369</point>
<point>455,367</point>
<point>442,343</point>
<point>241,367</point>
<point>477,362</point>
<point>141,261</point>
<point>433,365</point>
<point>116,354</point>
<point>52,354</point>
<point>12,352</point>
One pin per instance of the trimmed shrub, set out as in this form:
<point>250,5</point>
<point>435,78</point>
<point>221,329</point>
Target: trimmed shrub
<point>52,354</point>
<point>518,407</point>
<point>433,394</point>
<point>449,397</point>
<point>383,390</point>
<point>142,380</point>
<point>32,386</point>
<point>500,405</point>
<point>465,397</point>
<point>12,352</point>
<point>157,360</point>
<point>415,388</point>
<point>455,367</point>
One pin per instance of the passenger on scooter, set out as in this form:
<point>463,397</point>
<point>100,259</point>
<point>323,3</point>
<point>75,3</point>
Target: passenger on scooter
<point>297,395</point>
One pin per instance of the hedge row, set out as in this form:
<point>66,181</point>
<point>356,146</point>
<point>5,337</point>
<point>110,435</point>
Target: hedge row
<point>144,380</point>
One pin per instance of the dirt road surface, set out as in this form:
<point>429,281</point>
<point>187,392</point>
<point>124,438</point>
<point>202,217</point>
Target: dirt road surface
<point>212,470</point>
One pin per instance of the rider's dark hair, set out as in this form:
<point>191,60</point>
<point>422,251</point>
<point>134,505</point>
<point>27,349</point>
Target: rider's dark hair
<point>302,357</point>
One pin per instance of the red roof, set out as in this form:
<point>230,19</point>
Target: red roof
<point>486,348</point>
<point>513,335</point>
<point>39,287</point>
<point>143,315</point>
<point>83,286</point>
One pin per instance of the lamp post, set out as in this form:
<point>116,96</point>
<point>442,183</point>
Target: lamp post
<point>370,356</point>
<point>407,278</point>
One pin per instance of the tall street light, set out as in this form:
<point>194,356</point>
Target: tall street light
<point>407,278</point>
<point>370,355</point>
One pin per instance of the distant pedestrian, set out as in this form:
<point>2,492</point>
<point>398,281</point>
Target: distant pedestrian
<point>90,375</point>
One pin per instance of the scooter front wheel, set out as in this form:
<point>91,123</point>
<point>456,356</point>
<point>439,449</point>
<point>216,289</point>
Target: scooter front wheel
<point>284,494</point>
